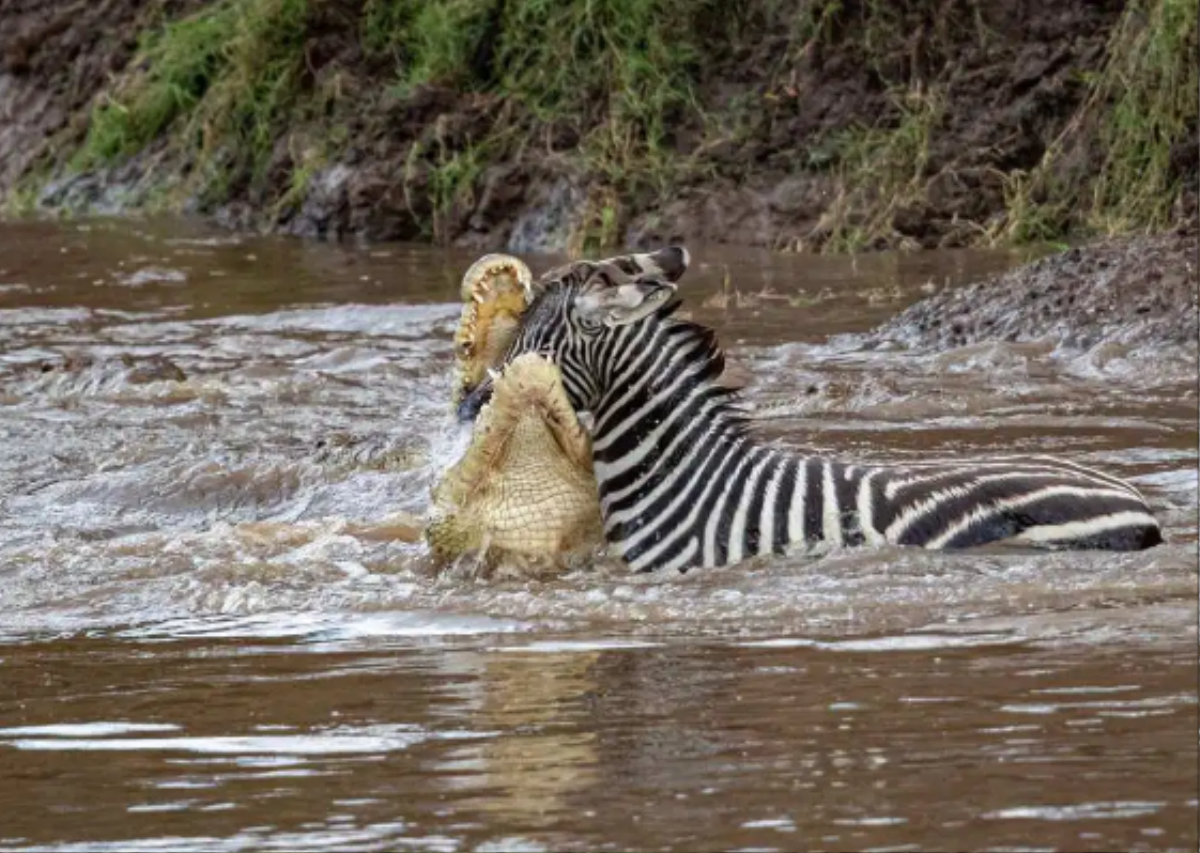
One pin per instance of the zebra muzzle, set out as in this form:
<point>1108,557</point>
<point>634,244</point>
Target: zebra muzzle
<point>472,404</point>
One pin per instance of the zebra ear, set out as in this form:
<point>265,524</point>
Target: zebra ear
<point>625,303</point>
<point>671,263</point>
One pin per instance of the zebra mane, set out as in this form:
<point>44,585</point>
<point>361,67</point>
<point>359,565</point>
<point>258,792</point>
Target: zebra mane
<point>728,403</point>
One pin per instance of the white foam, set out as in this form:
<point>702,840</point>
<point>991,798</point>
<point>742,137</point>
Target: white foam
<point>902,643</point>
<point>567,646</point>
<point>1085,811</point>
<point>406,321</point>
<point>326,627</point>
<point>343,740</point>
<point>96,729</point>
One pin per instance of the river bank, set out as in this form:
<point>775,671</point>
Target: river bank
<point>1114,298</point>
<point>806,126</point>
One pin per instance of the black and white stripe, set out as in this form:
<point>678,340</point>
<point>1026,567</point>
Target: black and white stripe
<point>683,483</point>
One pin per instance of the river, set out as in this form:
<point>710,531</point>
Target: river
<point>208,641</point>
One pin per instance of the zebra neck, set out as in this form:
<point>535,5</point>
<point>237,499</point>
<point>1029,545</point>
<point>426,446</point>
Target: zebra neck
<point>662,433</point>
<point>663,389</point>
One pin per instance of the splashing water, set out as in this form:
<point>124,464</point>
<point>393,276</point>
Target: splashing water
<point>200,581</point>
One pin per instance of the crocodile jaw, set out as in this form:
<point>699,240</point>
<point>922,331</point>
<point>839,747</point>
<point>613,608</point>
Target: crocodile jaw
<point>495,292</point>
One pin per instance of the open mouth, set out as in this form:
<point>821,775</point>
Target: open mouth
<point>495,292</point>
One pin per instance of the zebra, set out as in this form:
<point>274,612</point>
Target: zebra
<point>684,483</point>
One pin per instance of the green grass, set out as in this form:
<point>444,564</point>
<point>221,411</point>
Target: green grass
<point>307,160</point>
<point>1151,82</point>
<point>22,200</point>
<point>221,83</point>
<point>1140,104</point>
<point>879,169</point>
<point>452,186</point>
<point>598,226</point>
<point>631,60</point>
<point>618,72</point>
<point>225,90</point>
<point>184,58</point>
<point>430,40</point>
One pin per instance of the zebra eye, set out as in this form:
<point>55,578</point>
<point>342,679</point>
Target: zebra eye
<point>590,325</point>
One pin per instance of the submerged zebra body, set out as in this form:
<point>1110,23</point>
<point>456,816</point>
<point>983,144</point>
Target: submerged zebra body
<point>684,483</point>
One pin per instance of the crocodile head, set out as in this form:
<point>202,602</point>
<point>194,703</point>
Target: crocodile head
<point>524,492</point>
<point>495,292</point>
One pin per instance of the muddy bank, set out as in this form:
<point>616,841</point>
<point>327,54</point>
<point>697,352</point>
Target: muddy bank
<point>55,59</point>
<point>801,125</point>
<point>1124,293</point>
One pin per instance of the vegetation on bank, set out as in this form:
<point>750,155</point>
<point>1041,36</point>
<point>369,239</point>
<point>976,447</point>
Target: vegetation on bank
<point>219,102</point>
<point>1139,107</point>
<point>222,86</point>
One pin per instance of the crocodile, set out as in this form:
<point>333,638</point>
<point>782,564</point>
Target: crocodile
<point>523,495</point>
<point>524,492</point>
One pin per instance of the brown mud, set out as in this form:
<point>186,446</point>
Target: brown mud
<point>975,93</point>
<point>1122,293</point>
<point>55,58</point>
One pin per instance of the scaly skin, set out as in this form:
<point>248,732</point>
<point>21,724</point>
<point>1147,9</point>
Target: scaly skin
<point>525,488</point>
<point>524,492</point>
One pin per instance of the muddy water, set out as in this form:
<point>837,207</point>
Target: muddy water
<point>209,641</point>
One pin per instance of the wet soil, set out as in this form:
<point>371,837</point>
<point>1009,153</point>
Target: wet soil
<point>54,59</point>
<point>1124,293</point>
<point>758,173</point>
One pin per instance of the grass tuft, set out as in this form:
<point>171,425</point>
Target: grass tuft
<point>1150,81</point>
<point>442,41</point>
<point>1139,107</point>
<point>879,170</point>
<point>221,82</point>
<point>624,67</point>
<point>618,73</point>
<point>182,61</point>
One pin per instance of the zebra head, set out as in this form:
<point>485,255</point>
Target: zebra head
<point>578,311</point>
